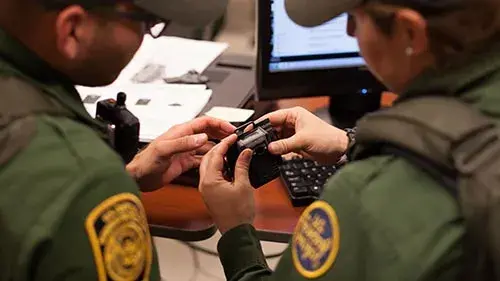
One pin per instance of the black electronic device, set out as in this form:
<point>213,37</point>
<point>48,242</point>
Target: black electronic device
<point>295,61</point>
<point>123,126</point>
<point>305,179</point>
<point>264,166</point>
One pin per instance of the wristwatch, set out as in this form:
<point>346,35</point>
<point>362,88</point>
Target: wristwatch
<point>351,135</point>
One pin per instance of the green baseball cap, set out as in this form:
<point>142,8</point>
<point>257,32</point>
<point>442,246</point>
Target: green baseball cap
<point>196,13</point>
<point>316,12</point>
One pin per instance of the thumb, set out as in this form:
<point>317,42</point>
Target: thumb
<point>243,165</point>
<point>285,146</point>
<point>181,145</point>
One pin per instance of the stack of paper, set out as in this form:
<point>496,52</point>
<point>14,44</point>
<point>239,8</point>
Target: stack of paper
<point>158,105</point>
<point>168,57</point>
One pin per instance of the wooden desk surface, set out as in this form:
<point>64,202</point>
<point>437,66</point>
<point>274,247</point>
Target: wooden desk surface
<point>178,212</point>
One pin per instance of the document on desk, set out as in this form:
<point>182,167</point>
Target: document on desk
<point>158,106</point>
<point>168,57</point>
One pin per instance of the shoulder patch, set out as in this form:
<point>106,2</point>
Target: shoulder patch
<point>315,243</point>
<point>120,240</point>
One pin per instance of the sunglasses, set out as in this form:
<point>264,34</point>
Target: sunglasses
<point>154,26</point>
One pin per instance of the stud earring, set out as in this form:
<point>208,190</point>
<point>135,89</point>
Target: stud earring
<point>409,51</point>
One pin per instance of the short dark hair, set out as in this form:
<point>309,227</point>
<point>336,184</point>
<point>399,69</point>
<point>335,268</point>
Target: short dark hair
<point>456,34</point>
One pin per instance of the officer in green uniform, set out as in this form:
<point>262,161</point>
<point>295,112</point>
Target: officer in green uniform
<point>380,218</point>
<point>69,210</point>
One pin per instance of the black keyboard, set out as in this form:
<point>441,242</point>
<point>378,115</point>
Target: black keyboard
<point>304,179</point>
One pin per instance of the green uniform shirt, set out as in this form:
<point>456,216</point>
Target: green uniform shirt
<point>69,210</point>
<point>380,218</point>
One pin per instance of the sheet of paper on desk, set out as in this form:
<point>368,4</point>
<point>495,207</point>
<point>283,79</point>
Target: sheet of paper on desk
<point>158,106</point>
<point>167,57</point>
<point>230,114</point>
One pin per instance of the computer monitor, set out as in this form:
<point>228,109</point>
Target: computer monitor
<point>295,61</point>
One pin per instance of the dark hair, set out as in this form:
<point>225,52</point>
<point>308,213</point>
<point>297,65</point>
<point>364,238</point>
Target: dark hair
<point>456,34</point>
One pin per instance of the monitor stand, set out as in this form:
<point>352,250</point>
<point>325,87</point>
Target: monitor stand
<point>344,111</point>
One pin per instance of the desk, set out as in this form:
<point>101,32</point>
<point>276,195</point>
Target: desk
<point>178,212</point>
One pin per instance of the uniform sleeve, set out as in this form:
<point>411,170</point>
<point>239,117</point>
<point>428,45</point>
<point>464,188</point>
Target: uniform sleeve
<point>103,234</point>
<point>241,255</point>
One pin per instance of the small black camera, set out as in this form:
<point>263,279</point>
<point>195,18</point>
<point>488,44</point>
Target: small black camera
<point>264,166</point>
<point>123,126</point>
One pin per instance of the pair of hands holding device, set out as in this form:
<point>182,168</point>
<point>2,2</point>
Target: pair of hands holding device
<point>231,203</point>
<point>178,150</point>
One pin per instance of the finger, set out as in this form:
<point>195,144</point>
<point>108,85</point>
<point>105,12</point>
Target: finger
<point>291,155</point>
<point>215,157</point>
<point>203,167</point>
<point>224,144</point>
<point>207,177</point>
<point>215,128</point>
<point>242,166</point>
<point>187,162</point>
<point>248,128</point>
<point>220,150</point>
<point>167,148</point>
<point>195,162</point>
<point>177,131</point>
<point>283,132</point>
<point>205,149</point>
<point>277,118</point>
<point>281,118</point>
<point>284,146</point>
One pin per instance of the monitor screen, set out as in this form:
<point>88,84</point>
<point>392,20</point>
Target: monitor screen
<point>297,48</point>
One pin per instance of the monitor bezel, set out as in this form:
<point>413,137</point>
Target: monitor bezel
<point>301,83</point>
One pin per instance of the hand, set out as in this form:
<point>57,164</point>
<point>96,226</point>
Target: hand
<point>230,203</point>
<point>304,133</point>
<point>176,151</point>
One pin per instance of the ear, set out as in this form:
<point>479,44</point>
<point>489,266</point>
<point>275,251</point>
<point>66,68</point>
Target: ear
<point>412,28</point>
<point>72,31</point>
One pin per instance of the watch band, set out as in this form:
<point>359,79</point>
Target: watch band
<point>351,134</point>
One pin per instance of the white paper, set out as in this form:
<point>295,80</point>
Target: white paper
<point>168,57</point>
<point>158,106</point>
<point>230,114</point>
<point>142,79</point>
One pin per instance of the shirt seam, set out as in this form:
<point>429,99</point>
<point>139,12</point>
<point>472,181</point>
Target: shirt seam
<point>50,120</point>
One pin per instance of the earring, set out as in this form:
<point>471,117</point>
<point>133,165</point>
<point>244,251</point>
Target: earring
<point>409,51</point>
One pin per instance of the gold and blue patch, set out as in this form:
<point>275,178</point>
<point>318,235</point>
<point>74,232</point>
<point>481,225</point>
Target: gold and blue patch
<point>120,239</point>
<point>315,243</point>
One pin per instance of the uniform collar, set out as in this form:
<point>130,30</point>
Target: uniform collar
<point>475,81</point>
<point>19,60</point>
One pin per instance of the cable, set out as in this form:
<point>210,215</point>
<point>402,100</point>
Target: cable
<point>194,249</point>
<point>215,254</point>
<point>198,268</point>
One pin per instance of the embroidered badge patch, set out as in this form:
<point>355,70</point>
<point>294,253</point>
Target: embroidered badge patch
<point>315,243</point>
<point>120,239</point>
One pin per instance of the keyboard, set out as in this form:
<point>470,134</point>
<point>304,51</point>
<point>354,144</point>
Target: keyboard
<point>304,179</point>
